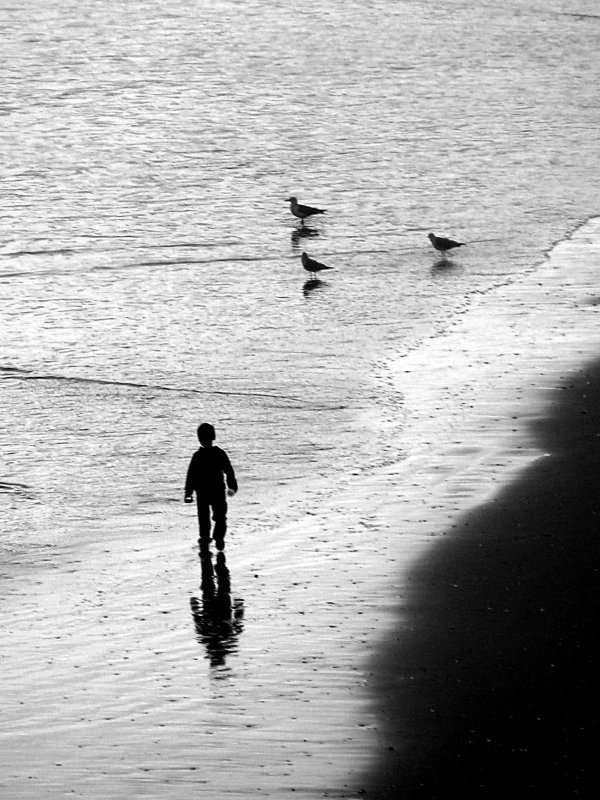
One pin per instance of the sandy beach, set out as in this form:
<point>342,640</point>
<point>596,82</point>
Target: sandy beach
<point>426,631</point>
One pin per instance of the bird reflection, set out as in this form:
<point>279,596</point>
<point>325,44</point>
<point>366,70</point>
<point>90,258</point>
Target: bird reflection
<point>443,265</point>
<point>303,232</point>
<point>217,618</point>
<point>312,284</point>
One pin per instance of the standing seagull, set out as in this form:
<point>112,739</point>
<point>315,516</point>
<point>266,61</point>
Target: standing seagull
<point>443,245</point>
<point>312,266</point>
<point>302,211</point>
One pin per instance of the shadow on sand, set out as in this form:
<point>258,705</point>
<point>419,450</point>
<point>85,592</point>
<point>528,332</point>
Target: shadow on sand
<point>488,686</point>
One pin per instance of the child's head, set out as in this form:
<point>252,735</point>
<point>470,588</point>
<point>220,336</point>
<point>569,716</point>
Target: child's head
<point>206,434</point>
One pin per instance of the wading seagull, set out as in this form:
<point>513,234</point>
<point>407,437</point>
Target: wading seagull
<point>312,266</point>
<point>443,245</point>
<point>303,211</point>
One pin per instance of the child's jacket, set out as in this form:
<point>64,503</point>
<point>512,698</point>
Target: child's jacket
<point>208,470</point>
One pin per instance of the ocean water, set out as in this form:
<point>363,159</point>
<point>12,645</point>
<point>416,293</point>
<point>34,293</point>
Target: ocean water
<point>150,267</point>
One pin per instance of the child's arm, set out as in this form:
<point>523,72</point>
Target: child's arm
<point>189,483</point>
<point>232,485</point>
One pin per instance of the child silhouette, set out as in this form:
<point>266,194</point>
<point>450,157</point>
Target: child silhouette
<point>207,473</point>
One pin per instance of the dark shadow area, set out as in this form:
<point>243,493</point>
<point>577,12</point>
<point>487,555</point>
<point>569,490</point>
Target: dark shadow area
<point>488,686</point>
<point>312,284</point>
<point>303,232</point>
<point>217,618</point>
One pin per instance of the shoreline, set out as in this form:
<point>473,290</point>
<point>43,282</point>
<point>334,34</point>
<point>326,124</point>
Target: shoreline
<point>514,366</point>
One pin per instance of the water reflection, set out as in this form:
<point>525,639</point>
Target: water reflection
<point>311,285</point>
<point>443,265</point>
<point>304,232</point>
<point>217,618</point>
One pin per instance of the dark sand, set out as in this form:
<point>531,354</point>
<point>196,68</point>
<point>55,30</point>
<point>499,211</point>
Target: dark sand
<point>489,686</point>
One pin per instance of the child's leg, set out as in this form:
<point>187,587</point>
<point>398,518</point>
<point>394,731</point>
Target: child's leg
<point>203,522</point>
<point>219,513</point>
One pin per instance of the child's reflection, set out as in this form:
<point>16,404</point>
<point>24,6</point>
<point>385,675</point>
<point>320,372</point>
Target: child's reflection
<point>218,619</point>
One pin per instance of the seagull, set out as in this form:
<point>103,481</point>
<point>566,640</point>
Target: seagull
<point>312,266</point>
<point>442,244</point>
<point>302,211</point>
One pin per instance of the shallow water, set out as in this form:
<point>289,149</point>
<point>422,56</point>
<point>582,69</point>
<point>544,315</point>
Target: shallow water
<point>146,240</point>
<point>151,277</point>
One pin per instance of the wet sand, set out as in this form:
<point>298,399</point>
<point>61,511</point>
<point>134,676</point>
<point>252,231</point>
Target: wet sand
<point>486,681</point>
